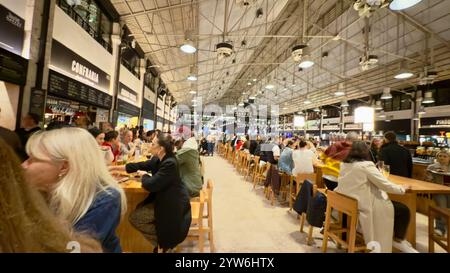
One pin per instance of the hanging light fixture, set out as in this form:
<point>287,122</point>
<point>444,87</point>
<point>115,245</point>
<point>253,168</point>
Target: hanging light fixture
<point>403,73</point>
<point>188,46</point>
<point>378,105</point>
<point>192,76</point>
<point>364,114</point>
<point>345,110</point>
<point>386,94</point>
<point>324,113</point>
<point>316,109</point>
<point>192,92</point>
<point>428,98</point>
<point>344,103</point>
<point>403,4</point>
<point>307,101</point>
<point>340,90</point>
<point>306,62</point>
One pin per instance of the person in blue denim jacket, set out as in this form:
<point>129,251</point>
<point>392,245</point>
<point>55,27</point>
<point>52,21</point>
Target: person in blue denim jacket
<point>67,166</point>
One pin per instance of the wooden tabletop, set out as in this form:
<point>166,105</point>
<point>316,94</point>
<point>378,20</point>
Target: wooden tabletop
<point>133,185</point>
<point>419,186</point>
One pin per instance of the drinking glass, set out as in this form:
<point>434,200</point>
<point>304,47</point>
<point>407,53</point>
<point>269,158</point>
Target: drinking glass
<point>386,170</point>
<point>380,165</point>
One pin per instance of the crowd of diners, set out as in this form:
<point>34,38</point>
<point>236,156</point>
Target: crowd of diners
<point>351,166</point>
<point>57,185</point>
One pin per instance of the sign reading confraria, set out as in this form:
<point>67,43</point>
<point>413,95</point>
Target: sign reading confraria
<point>11,31</point>
<point>70,63</point>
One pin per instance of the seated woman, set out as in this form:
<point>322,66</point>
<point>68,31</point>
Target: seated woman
<point>304,159</point>
<point>286,164</point>
<point>168,198</point>
<point>27,223</point>
<point>112,142</point>
<point>67,166</point>
<point>435,174</point>
<point>380,218</point>
<point>100,138</point>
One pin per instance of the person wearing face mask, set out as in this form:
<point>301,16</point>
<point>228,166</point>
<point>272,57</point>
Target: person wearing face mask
<point>164,217</point>
<point>436,174</point>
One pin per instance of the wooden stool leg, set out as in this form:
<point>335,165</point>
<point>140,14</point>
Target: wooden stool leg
<point>326,228</point>
<point>310,233</point>
<point>290,195</point>
<point>302,221</point>
<point>352,235</point>
<point>430,232</point>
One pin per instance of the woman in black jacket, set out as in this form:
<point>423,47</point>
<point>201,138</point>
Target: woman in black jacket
<point>168,194</point>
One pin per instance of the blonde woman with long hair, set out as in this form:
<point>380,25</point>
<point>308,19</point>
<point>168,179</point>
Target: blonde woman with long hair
<point>26,222</point>
<point>67,166</point>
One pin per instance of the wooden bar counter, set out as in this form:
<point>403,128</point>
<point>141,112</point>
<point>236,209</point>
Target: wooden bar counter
<point>410,198</point>
<point>132,240</point>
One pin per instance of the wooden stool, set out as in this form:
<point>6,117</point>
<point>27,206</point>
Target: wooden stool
<point>197,231</point>
<point>208,216</point>
<point>293,190</point>
<point>344,205</point>
<point>254,170</point>
<point>444,242</point>
<point>259,177</point>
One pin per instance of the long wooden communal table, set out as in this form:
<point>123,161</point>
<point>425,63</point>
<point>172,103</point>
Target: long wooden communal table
<point>410,197</point>
<point>131,239</point>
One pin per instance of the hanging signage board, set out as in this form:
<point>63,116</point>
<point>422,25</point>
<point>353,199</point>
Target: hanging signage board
<point>127,93</point>
<point>352,126</point>
<point>148,109</point>
<point>127,108</point>
<point>440,122</point>
<point>13,68</point>
<point>331,127</point>
<point>71,64</point>
<point>12,30</point>
<point>37,101</point>
<point>66,87</point>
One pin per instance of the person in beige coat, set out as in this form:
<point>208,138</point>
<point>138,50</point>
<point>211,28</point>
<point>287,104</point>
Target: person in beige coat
<point>380,219</point>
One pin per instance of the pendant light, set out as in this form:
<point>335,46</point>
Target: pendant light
<point>344,103</point>
<point>403,72</point>
<point>386,94</point>
<point>340,90</point>
<point>403,4</point>
<point>428,98</point>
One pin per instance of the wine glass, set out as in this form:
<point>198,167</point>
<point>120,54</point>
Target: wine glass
<point>386,170</point>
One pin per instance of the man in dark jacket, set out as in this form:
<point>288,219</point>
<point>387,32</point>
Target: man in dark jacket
<point>29,126</point>
<point>397,157</point>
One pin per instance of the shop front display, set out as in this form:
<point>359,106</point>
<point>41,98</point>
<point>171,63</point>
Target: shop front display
<point>127,114</point>
<point>75,81</point>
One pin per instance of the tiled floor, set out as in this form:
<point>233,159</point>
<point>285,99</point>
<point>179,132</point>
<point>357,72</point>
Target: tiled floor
<point>244,220</point>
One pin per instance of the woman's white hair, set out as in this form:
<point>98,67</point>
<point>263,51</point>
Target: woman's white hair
<point>87,174</point>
